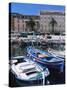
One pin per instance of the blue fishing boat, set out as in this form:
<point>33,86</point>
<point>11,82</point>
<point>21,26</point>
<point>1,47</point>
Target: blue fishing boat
<point>45,58</point>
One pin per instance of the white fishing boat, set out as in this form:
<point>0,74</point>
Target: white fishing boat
<point>26,70</point>
<point>55,38</point>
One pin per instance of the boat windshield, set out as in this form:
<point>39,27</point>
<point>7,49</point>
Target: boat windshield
<point>20,60</point>
<point>29,69</point>
<point>33,72</point>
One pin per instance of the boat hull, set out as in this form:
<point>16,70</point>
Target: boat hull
<point>18,82</point>
<point>57,62</point>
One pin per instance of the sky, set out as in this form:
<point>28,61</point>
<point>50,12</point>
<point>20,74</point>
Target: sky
<point>33,9</point>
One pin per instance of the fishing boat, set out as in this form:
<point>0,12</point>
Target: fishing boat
<point>27,71</point>
<point>45,58</point>
<point>55,38</point>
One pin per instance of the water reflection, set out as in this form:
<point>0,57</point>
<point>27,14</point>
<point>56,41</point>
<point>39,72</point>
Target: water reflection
<point>16,50</point>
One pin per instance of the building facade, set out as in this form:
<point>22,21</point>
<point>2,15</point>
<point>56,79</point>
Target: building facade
<point>52,18</point>
<point>19,22</point>
<point>43,22</point>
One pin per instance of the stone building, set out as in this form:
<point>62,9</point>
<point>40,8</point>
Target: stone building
<point>19,22</point>
<point>43,22</point>
<point>46,21</point>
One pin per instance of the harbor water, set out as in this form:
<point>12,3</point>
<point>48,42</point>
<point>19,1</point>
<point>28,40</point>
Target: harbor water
<point>55,76</point>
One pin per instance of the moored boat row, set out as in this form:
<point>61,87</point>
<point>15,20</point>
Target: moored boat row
<point>35,66</point>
